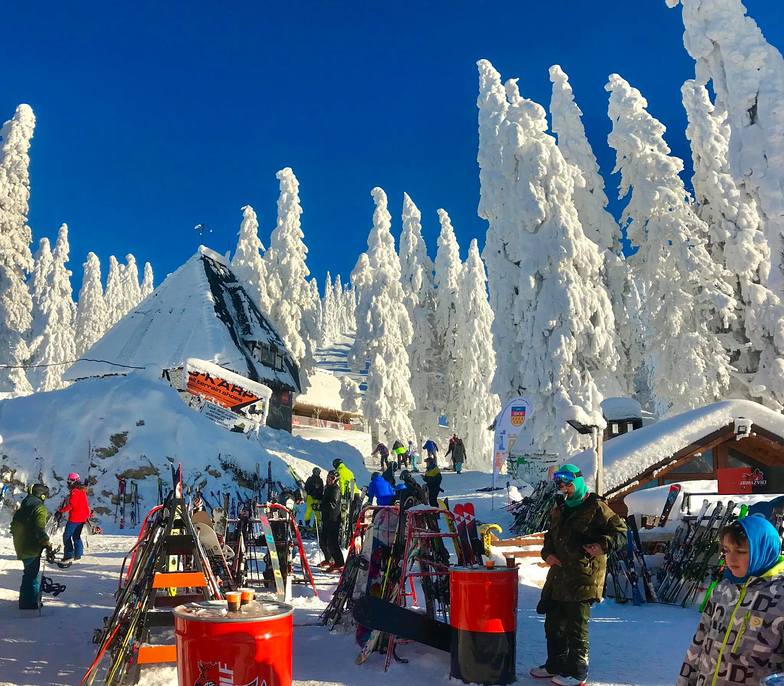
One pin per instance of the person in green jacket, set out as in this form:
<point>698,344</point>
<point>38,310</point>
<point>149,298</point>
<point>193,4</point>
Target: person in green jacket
<point>583,531</point>
<point>345,477</point>
<point>28,528</point>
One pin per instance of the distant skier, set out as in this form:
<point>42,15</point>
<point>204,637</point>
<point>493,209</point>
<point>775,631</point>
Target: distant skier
<point>330,524</point>
<point>381,490</point>
<point>28,528</point>
<point>383,452</point>
<point>432,480</point>
<point>457,450</point>
<point>78,510</point>
<point>314,492</point>
<point>745,606</point>
<point>450,448</point>
<point>583,531</point>
<point>431,448</point>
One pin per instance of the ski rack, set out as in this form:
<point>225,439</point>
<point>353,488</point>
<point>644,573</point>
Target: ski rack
<point>307,575</point>
<point>418,529</point>
<point>168,567</point>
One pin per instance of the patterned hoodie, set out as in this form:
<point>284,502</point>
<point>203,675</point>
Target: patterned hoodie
<point>740,638</point>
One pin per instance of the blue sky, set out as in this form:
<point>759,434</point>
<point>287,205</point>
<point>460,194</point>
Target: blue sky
<point>156,116</point>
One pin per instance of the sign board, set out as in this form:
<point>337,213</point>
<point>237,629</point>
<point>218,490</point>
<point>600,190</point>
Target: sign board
<point>739,480</point>
<point>510,421</point>
<point>219,391</point>
<point>220,415</point>
<point>531,468</point>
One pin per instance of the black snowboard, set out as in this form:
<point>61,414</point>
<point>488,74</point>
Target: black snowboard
<point>376,613</point>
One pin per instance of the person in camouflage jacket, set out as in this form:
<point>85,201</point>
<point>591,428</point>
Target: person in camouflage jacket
<point>28,528</point>
<point>583,530</point>
<point>740,637</point>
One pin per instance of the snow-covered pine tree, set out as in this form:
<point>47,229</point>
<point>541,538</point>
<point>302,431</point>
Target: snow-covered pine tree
<point>341,313</point>
<point>291,311</point>
<point>148,282</point>
<point>329,314</point>
<point>15,257</point>
<point>383,330</point>
<point>557,330</point>
<point>737,242</point>
<point>132,293</point>
<point>114,293</point>
<point>40,283</point>
<point>55,345</point>
<point>417,280</point>
<point>600,226</point>
<point>474,406</point>
<point>316,314</point>
<point>747,75</point>
<point>91,311</point>
<point>687,299</point>
<point>247,264</point>
<point>447,284</point>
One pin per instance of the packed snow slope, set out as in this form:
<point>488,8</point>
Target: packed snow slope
<point>137,426</point>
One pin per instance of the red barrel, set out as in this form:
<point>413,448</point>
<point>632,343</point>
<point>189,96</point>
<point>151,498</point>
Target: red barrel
<point>246,648</point>
<point>483,615</point>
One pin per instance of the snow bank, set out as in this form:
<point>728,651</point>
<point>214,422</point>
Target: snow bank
<point>137,426</point>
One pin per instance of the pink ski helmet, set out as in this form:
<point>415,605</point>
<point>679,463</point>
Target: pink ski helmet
<point>73,477</point>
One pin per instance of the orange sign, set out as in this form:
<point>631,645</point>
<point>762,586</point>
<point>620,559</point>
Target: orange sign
<point>219,390</point>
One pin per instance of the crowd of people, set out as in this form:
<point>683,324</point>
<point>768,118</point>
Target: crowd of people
<point>407,457</point>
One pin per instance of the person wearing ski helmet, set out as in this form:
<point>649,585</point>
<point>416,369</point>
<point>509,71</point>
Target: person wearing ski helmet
<point>28,528</point>
<point>345,477</point>
<point>583,531</point>
<point>409,492</point>
<point>78,510</point>
<point>740,636</point>
<point>381,490</point>
<point>314,491</point>
<point>432,479</point>
<point>330,523</point>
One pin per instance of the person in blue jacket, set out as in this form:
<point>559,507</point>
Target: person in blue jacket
<point>381,490</point>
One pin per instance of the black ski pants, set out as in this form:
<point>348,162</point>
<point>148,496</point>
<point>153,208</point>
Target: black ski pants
<point>566,629</point>
<point>329,541</point>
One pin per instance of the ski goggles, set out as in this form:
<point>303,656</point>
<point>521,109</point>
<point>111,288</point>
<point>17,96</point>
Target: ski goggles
<point>565,477</point>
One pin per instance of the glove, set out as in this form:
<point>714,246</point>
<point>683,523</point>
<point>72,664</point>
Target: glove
<point>50,554</point>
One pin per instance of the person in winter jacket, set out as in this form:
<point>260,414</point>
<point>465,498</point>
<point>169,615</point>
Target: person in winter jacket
<point>383,452</point>
<point>457,450</point>
<point>330,523</point>
<point>381,490</point>
<point>345,477</point>
<point>740,637</point>
<point>28,528</point>
<point>78,510</point>
<point>410,492</point>
<point>401,453</point>
<point>583,531</point>
<point>314,490</point>
<point>431,448</point>
<point>432,480</point>
<point>389,473</point>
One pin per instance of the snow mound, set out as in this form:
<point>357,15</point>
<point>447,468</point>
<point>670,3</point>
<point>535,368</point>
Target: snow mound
<point>136,426</point>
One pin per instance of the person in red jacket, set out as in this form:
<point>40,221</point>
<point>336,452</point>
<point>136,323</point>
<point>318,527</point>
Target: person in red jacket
<point>78,513</point>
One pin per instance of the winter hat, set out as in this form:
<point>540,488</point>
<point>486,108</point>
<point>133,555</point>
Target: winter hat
<point>337,462</point>
<point>764,547</point>
<point>577,480</point>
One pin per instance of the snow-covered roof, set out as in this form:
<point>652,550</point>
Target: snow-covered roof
<point>200,311</point>
<point>621,408</point>
<point>629,455</point>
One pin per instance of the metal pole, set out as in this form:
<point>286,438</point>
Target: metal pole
<point>599,459</point>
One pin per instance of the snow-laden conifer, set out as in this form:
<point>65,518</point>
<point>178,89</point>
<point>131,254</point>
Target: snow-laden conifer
<point>148,282</point>
<point>114,293</point>
<point>248,264</point>
<point>91,309</point>
<point>132,292</point>
<point>599,225</point>
<point>557,329</point>
<point>55,346</point>
<point>417,281</point>
<point>15,257</point>
<point>474,406</point>
<point>40,284</point>
<point>737,242</point>
<point>686,297</point>
<point>291,310</point>
<point>747,75</point>
<point>383,329</point>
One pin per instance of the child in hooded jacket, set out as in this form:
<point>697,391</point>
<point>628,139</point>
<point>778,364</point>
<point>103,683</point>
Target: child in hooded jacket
<point>739,638</point>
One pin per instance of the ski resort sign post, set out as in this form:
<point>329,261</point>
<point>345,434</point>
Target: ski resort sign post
<point>508,425</point>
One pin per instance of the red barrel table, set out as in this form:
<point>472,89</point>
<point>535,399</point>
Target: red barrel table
<point>483,615</point>
<point>249,647</point>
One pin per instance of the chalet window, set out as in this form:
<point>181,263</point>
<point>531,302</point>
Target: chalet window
<point>629,427</point>
<point>614,428</point>
<point>278,361</point>
<point>699,464</point>
<point>738,459</point>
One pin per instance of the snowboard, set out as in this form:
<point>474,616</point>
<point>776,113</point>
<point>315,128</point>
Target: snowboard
<point>450,525</point>
<point>462,533</point>
<point>280,589</point>
<point>387,617</point>
<point>201,517</point>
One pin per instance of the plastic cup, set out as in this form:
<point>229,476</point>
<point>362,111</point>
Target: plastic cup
<point>490,563</point>
<point>511,562</point>
<point>234,600</point>
<point>247,595</point>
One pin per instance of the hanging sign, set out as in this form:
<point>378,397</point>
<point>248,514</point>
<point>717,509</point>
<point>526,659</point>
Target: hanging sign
<point>510,421</point>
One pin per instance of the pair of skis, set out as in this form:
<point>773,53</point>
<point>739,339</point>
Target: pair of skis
<point>468,533</point>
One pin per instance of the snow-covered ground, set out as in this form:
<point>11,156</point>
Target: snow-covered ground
<point>629,645</point>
